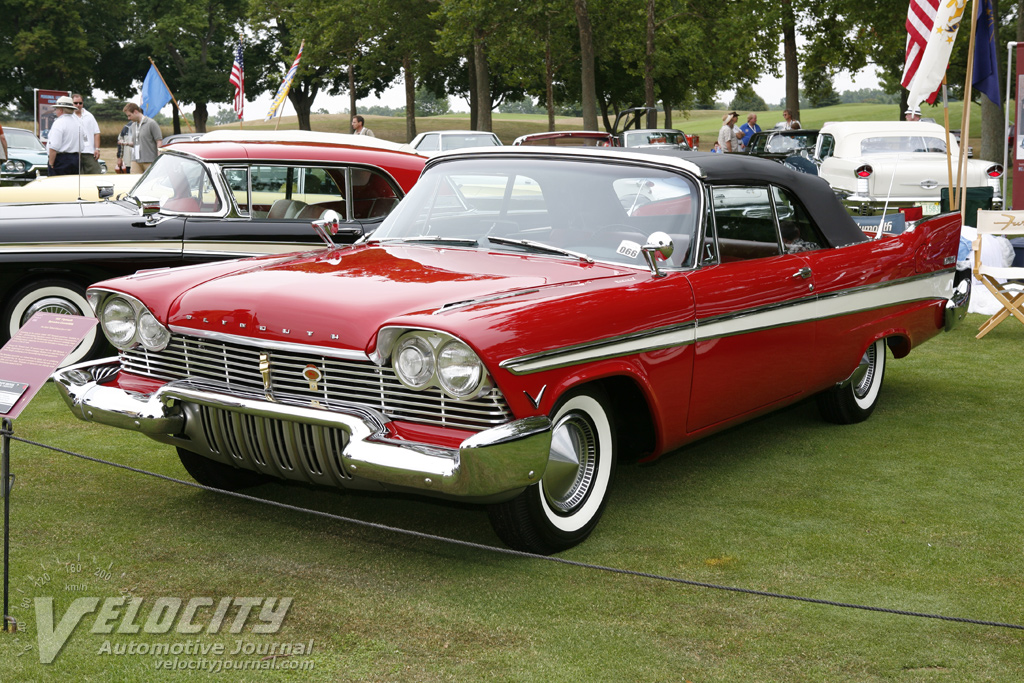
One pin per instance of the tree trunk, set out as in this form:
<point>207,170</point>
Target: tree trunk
<point>474,106</point>
<point>587,69</point>
<point>668,114</point>
<point>176,121</point>
<point>302,100</point>
<point>351,96</point>
<point>200,115</point>
<point>549,83</point>
<point>483,83</point>
<point>410,99</point>
<point>652,113</point>
<point>792,65</point>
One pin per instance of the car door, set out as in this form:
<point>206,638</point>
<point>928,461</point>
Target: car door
<point>754,310</point>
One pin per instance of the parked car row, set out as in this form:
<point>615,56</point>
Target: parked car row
<point>522,321</point>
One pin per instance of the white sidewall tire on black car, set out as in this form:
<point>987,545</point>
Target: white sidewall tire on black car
<point>563,509</point>
<point>54,296</point>
<point>855,401</point>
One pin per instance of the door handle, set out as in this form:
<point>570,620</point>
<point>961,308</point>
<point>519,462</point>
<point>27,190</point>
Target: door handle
<point>804,273</point>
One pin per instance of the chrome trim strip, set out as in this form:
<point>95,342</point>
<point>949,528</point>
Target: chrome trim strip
<point>343,354</point>
<point>483,300</point>
<point>158,246</point>
<point>937,285</point>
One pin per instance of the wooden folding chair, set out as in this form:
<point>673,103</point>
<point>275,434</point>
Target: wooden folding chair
<point>1010,292</point>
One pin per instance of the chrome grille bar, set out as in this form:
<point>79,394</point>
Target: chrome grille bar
<point>236,367</point>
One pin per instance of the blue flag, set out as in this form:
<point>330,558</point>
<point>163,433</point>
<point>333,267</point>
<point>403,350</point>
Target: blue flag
<point>154,93</point>
<point>986,71</point>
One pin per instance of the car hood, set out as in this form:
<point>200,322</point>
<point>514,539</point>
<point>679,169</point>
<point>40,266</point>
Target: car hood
<point>340,298</point>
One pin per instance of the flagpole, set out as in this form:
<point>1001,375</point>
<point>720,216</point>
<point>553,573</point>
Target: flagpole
<point>173,99</point>
<point>965,128</point>
<point>949,154</point>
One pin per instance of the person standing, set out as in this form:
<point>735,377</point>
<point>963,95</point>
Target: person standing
<point>788,122</point>
<point>145,138</point>
<point>727,134</point>
<point>65,141</point>
<point>124,164</point>
<point>749,128</point>
<point>913,115</point>
<point>90,162</point>
<point>359,126</point>
<point>3,145</point>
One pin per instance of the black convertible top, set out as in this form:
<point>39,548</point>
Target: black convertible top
<point>815,194</point>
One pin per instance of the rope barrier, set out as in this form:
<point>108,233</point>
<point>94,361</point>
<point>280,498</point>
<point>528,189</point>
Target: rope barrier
<point>520,553</point>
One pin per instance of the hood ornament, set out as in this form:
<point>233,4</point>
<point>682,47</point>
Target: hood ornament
<point>326,226</point>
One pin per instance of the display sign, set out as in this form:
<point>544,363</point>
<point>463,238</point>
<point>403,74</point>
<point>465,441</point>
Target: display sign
<point>45,114</point>
<point>892,223</point>
<point>34,353</point>
<point>1017,157</point>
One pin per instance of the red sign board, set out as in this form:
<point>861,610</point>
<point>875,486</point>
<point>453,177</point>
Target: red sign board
<point>34,353</point>
<point>45,99</point>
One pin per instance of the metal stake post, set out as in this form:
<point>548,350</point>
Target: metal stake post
<point>7,483</point>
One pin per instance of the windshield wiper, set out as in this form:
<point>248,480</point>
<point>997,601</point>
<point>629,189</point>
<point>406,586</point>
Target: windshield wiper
<point>540,246</point>
<point>435,239</point>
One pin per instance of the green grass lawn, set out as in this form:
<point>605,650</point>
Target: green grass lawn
<point>916,509</point>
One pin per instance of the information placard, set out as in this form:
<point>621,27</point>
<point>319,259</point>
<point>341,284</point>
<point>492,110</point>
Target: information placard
<point>34,353</point>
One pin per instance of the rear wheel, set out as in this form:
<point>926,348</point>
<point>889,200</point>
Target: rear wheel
<point>564,507</point>
<point>216,474</point>
<point>854,401</point>
<point>52,296</point>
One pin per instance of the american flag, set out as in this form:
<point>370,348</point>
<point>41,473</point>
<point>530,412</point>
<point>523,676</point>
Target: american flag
<point>920,21</point>
<point>238,80</point>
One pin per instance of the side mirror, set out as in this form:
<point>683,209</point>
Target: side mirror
<point>658,244</point>
<point>105,191</point>
<point>327,226</point>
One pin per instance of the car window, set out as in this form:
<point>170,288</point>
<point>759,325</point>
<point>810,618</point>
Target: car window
<point>826,146</point>
<point>798,231</point>
<point>744,223</point>
<point>180,185</point>
<point>757,144</point>
<point>18,138</point>
<point>890,144</point>
<point>297,192</point>
<point>429,143</point>
<point>459,141</point>
<point>605,211</point>
<point>373,194</point>
<point>237,180</point>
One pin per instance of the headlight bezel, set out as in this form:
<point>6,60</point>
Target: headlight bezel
<point>158,337</point>
<point>392,341</point>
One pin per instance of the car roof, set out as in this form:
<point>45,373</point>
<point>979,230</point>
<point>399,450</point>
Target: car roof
<point>813,193</point>
<point>307,136</point>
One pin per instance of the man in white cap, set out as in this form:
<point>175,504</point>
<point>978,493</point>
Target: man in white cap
<point>65,141</point>
<point>913,115</point>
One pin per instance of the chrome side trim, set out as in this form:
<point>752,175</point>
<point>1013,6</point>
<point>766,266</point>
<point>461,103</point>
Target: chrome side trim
<point>292,347</point>
<point>937,286</point>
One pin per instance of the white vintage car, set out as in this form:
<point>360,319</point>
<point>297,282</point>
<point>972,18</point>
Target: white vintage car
<point>889,165</point>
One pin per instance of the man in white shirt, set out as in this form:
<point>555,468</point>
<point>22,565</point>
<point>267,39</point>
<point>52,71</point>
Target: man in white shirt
<point>65,140</point>
<point>91,150</point>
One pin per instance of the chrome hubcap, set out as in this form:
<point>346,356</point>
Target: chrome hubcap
<point>865,373</point>
<point>571,463</point>
<point>50,304</point>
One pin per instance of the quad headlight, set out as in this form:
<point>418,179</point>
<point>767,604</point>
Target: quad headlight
<point>423,359</point>
<point>127,322</point>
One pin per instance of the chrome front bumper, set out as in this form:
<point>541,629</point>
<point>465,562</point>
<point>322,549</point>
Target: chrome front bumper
<point>346,446</point>
<point>956,306</point>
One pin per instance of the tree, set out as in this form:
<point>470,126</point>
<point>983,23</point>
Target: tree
<point>429,104</point>
<point>748,100</point>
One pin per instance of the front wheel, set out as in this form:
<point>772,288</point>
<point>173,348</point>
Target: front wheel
<point>564,507</point>
<point>52,296</point>
<point>855,400</point>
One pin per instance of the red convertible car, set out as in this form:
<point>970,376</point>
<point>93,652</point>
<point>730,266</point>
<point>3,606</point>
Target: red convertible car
<point>523,320</point>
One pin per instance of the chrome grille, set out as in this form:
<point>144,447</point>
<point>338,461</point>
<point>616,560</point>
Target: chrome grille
<point>237,368</point>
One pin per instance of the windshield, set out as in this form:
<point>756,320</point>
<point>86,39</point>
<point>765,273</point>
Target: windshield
<point>891,144</point>
<point>604,211</point>
<point>459,141</point>
<point>18,138</point>
<point>642,138</point>
<point>179,184</point>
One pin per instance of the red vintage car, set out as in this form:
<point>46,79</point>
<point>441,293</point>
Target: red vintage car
<point>522,321</point>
